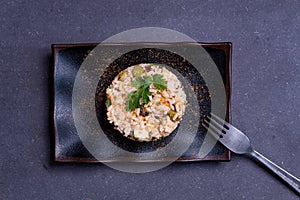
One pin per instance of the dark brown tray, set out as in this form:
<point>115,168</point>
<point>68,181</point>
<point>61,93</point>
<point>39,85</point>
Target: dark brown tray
<point>68,146</point>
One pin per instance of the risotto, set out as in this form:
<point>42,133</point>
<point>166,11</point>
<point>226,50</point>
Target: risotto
<point>145,102</point>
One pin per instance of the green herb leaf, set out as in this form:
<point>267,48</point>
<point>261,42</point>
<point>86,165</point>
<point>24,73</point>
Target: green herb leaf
<point>133,101</point>
<point>141,82</point>
<point>137,82</point>
<point>141,95</point>
<point>145,93</point>
<point>147,80</point>
<point>159,82</point>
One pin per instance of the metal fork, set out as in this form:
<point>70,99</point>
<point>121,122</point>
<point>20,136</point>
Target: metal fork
<point>239,143</point>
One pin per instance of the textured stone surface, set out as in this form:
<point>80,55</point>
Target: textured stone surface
<point>265,96</point>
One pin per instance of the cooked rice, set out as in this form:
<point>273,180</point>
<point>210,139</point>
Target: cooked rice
<point>164,111</point>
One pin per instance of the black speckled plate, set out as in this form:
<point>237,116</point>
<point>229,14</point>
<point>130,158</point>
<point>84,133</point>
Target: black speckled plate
<point>67,61</point>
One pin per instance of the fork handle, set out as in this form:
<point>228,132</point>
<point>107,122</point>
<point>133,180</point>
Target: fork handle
<point>293,181</point>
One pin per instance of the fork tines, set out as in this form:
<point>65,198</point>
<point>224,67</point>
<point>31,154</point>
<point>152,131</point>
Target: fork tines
<point>215,125</point>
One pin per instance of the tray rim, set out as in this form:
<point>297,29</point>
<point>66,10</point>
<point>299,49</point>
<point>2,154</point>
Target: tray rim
<point>225,46</point>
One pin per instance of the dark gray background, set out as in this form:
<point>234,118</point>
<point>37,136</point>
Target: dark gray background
<point>265,96</point>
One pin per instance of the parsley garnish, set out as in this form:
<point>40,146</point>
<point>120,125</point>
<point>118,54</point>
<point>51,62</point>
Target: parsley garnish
<point>142,93</point>
<point>159,82</point>
<point>133,101</point>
